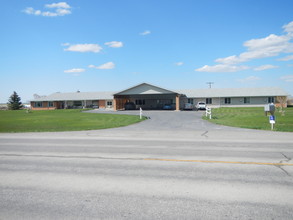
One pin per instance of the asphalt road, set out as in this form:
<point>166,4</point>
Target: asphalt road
<point>172,166</point>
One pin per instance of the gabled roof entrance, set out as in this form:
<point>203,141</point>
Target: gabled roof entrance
<point>146,96</point>
<point>145,89</point>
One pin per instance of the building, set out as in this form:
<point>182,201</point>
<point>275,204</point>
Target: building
<point>73,100</point>
<point>147,97</point>
<point>150,97</point>
<point>236,96</point>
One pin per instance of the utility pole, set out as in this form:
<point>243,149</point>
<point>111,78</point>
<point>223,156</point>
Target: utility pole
<point>210,84</point>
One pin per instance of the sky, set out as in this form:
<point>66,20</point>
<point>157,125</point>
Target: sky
<point>111,45</point>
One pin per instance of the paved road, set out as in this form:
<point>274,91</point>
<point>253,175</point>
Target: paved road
<point>151,170</point>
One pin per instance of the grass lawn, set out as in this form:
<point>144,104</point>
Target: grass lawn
<point>252,118</point>
<point>61,120</point>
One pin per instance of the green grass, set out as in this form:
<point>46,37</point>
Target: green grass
<point>253,118</point>
<point>61,120</point>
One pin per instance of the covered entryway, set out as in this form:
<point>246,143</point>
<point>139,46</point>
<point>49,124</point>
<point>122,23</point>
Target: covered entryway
<point>147,97</point>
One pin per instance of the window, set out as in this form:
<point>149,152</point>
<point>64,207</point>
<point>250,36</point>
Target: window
<point>246,100</point>
<point>50,104</point>
<point>271,99</point>
<point>109,103</point>
<point>209,101</point>
<point>38,104</point>
<point>77,103</point>
<point>140,102</point>
<point>227,100</point>
<point>190,101</point>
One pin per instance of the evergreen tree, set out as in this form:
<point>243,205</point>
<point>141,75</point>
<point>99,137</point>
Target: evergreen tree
<point>14,102</point>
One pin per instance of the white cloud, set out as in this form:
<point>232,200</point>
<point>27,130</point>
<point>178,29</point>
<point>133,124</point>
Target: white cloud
<point>58,5</point>
<point>61,9</point>
<point>115,44</point>
<point>270,46</point>
<point>31,11</point>
<point>221,68</point>
<point>75,71</point>
<point>289,28</point>
<point>265,67</point>
<point>249,79</point>
<point>95,48</point>
<point>105,66</point>
<point>145,32</point>
<point>62,12</point>
<point>270,41</point>
<point>287,58</point>
<point>49,14</point>
<point>287,78</point>
<point>179,63</point>
<point>58,12</point>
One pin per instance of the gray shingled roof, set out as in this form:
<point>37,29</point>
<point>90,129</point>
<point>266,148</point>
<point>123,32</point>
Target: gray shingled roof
<point>74,96</point>
<point>193,93</point>
<point>144,88</point>
<point>233,92</point>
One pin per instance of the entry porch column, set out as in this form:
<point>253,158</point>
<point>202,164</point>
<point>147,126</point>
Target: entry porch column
<point>118,103</point>
<point>177,102</point>
<point>115,104</point>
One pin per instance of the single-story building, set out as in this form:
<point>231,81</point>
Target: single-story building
<point>73,100</point>
<point>237,96</point>
<point>147,97</point>
<point>150,97</point>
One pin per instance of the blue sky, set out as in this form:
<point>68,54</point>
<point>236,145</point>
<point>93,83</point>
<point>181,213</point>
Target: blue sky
<point>110,45</point>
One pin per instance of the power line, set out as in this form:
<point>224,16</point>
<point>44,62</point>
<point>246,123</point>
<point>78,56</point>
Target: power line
<point>210,84</point>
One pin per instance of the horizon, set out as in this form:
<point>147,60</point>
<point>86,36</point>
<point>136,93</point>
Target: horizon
<point>65,46</point>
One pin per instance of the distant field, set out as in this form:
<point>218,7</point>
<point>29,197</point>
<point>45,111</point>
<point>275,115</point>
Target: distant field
<point>252,118</point>
<point>61,120</point>
<point>3,106</point>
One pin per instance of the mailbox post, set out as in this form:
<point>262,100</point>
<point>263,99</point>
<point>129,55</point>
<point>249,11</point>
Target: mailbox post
<point>271,109</point>
<point>209,112</point>
<point>140,113</point>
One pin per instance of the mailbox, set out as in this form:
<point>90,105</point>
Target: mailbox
<point>270,108</point>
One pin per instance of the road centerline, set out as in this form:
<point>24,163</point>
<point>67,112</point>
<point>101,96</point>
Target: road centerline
<point>218,161</point>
